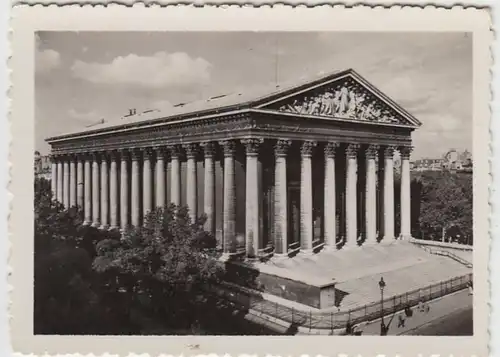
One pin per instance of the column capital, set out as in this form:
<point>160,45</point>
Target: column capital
<point>174,151</point>
<point>147,153</point>
<point>208,148</point>
<point>307,147</point>
<point>389,152</point>
<point>281,147</point>
<point>330,148</point>
<point>95,155</point>
<point>229,147</point>
<point>160,151</point>
<point>405,151</point>
<point>351,151</point>
<point>191,150</point>
<point>135,154</point>
<point>124,154</point>
<point>252,145</point>
<point>114,155</point>
<point>371,151</point>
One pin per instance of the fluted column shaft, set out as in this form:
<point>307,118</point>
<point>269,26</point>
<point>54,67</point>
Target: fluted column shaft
<point>66,182</point>
<point>95,191</point>
<point>160,177</point>
<point>229,209</point>
<point>252,206</point>
<point>53,180</point>
<point>175,180</point>
<point>60,186</point>
<point>280,198</point>
<point>88,190</point>
<point>330,208</point>
<point>72,182</point>
<point>209,187</point>
<point>405,193</point>
<point>389,194</point>
<point>306,196</point>
<point>351,195</point>
<point>371,194</point>
<point>113,191</point>
<point>79,183</point>
<point>146,182</point>
<point>191,185</point>
<point>104,193</point>
<point>124,206</point>
<point>135,190</point>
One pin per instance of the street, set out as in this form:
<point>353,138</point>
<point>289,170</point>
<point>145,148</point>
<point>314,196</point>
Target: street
<point>458,323</point>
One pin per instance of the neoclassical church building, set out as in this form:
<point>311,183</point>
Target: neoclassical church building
<point>276,171</point>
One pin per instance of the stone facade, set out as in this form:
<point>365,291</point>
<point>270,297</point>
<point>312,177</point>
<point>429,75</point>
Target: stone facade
<point>281,178</point>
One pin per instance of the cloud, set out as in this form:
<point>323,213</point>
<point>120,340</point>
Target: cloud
<point>45,60</point>
<point>158,71</point>
<point>161,104</point>
<point>83,116</point>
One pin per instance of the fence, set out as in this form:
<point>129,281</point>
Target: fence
<point>446,253</point>
<point>338,320</point>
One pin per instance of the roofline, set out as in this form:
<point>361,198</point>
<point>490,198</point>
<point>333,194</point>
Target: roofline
<point>238,108</point>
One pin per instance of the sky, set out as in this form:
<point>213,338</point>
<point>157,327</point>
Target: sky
<point>83,77</point>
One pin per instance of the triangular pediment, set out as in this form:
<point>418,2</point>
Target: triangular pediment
<point>348,97</point>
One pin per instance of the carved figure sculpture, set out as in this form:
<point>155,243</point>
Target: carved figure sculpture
<point>351,109</point>
<point>344,100</point>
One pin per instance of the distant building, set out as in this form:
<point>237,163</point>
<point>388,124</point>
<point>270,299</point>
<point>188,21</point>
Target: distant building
<point>43,166</point>
<point>453,160</point>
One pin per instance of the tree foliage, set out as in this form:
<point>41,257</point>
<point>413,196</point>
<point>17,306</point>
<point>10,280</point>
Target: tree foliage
<point>446,204</point>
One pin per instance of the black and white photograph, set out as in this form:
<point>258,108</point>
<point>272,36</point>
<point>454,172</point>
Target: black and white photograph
<point>253,183</point>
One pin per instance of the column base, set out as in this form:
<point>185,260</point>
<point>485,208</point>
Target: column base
<point>228,256</point>
<point>86,223</point>
<point>405,237</point>
<point>113,228</point>
<point>308,251</point>
<point>104,227</point>
<point>388,239</point>
<point>96,224</point>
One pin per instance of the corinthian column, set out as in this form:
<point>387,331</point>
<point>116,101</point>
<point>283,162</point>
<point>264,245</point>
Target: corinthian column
<point>306,196</point>
<point>209,186</point>
<point>280,198</point>
<point>66,180</point>
<point>330,208</point>
<point>229,202</point>
<point>405,152</point>
<point>53,180</point>
<point>60,186</point>
<point>146,182</point>
<point>252,206</point>
<point>124,206</point>
<point>113,190</point>
<point>104,192</point>
<point>160,177</point>
<point>371,194</point>
<point>191,185</point>
<point>135,189</point>
<point>95,190</point>
<point>79,182</point>
<point>351,195</point>
<point>175,180</point>
<point>72,181</point>
<point>389,194</point>
<point>88,190</point>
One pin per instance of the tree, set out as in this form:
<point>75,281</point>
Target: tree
<point>165,266</point>
<point>446,202</point>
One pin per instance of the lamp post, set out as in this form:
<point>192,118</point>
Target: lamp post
<point>381,285</point>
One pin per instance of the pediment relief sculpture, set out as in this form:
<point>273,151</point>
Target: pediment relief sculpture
<point>347,99</point>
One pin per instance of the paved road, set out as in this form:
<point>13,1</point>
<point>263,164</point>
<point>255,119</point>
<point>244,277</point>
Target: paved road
<point>458,323</point>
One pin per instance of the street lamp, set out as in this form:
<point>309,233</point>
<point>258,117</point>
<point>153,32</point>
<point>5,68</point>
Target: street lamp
<point>381,285</point>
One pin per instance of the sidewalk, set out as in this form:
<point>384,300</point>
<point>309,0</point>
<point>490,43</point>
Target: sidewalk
<point>437,309</point>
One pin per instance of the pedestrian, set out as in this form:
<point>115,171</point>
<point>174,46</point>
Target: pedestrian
<point>427,308</point>
<point>470,288</point>
<point>421,306</point>
<point>401,322</point>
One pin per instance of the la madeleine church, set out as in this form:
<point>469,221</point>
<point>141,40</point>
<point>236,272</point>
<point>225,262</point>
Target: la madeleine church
<point>275,172</point>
